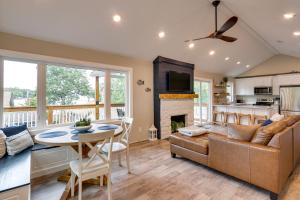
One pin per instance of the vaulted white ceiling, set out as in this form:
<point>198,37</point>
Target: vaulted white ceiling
<point>89,24</point>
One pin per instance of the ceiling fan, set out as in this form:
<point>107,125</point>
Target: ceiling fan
<point>218,34</point>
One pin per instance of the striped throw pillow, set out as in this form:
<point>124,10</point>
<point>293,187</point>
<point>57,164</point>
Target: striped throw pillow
<point>17,143</point>
<point>2,144</point>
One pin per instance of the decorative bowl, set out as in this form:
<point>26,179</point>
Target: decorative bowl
<point>82,128</point>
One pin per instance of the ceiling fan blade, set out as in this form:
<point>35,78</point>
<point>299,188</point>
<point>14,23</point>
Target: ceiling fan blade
<point>197,39</point>
<point>200,38</point>
<point>226,38</point>
<point>227,25</point>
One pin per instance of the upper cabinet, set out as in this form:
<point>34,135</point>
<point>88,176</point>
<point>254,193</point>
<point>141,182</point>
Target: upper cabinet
<point>245,86</point>
<point>281,80</point>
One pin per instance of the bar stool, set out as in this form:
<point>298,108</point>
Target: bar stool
<point>215,118</point>
<point>257,118</point>
<point>227,115</point>
<point>247,116</point>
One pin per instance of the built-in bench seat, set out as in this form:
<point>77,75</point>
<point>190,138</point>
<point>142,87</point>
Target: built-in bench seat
<point>15,172</point>
<point>15,175</point>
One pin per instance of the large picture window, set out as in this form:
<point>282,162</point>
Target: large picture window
<point>20,93</point>
<point>70,94</point>
<point>118,95</point>
<point>65,93</point>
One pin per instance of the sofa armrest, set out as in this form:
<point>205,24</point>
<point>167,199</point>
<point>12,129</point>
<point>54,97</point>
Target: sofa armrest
<point>270,167</point>
<point>229,156</point>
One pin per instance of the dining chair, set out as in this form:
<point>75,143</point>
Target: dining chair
<point>122,145</point>
<point>96,163</point>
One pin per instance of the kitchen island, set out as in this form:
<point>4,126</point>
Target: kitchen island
<point>246,109</point>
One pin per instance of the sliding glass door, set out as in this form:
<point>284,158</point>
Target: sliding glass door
<point>202,106</point>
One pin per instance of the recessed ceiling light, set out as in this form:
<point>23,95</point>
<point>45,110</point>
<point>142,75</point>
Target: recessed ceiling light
<point>191,45</point>
<point>247,66</point>
<point>289,15</point>
<point>238,62</point>
<point>296,33</point>
<point>161,34</point>
<point>117,18</point>
<point>211,53</point>
<point>227,58</point>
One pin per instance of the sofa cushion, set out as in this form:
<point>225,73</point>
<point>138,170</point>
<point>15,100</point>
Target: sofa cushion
<point>241,132</point>
<point>17,143</point>
<point>15,170</point>
<point>264,134</point>
<point>198,143</point>
<point>13,130</point>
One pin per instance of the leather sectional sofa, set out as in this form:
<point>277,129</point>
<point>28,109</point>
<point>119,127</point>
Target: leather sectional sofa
<point>266,166</point>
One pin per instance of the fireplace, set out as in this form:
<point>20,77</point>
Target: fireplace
<point>177,121</point>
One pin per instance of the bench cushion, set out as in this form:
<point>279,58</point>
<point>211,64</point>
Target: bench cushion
<point>37,147</point>
<point>15,170</point>
<point>197,143</point>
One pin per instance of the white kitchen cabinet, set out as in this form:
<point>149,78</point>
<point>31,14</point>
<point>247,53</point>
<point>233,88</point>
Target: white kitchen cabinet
<point>281,80</point>
<point>245,86</point>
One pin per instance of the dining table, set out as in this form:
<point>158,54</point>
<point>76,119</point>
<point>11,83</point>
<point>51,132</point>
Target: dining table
<point>68,136</point>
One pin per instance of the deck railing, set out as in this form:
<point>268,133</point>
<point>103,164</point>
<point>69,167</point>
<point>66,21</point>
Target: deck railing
<point>57,114</point>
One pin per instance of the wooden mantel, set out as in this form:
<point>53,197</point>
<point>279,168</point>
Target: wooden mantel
<point>178,96</point>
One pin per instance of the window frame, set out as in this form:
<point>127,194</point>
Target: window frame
<point>42,62</point>
<point>210,81</point>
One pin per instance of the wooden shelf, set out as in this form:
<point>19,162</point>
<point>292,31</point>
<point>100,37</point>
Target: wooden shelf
<point>178,96</point>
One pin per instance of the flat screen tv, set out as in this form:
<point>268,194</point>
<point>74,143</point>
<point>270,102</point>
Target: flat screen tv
<point>178,82</point>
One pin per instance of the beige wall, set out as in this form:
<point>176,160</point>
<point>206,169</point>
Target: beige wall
<point>275,65</point>
<point>142,101</point>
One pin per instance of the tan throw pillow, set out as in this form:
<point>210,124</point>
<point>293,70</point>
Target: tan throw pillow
<point>241,132</point>
<point>264,134</point>
<point>275,127</point>
<point>262,137</point>
<point>2,144</point>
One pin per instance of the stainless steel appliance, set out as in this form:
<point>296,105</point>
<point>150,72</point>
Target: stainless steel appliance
<point>263,90</point>
<point>266,101</point>
<point>290,100</point>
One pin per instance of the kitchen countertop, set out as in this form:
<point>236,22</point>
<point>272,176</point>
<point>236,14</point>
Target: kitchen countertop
<point>251,106</point>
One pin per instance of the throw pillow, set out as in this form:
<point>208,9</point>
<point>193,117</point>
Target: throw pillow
<point>17,143</point>
<point>267,122</point>
<point>264,134</point>
<point>277,117</point>
<point>241,132</point>
<point>13,130</point>
<point>2,144</point>
<point>275,127</point>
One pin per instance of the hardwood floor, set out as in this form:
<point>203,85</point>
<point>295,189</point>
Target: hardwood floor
<point>155,175</point>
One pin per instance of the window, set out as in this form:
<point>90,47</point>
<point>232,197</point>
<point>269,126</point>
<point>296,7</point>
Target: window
<point>41,93</point>
<point>71,94</point>
<point>202,106</point>
<point>20,93</point>
<point>118,94</point>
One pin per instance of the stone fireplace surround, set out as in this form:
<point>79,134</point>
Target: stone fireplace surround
<point>174,107</point>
